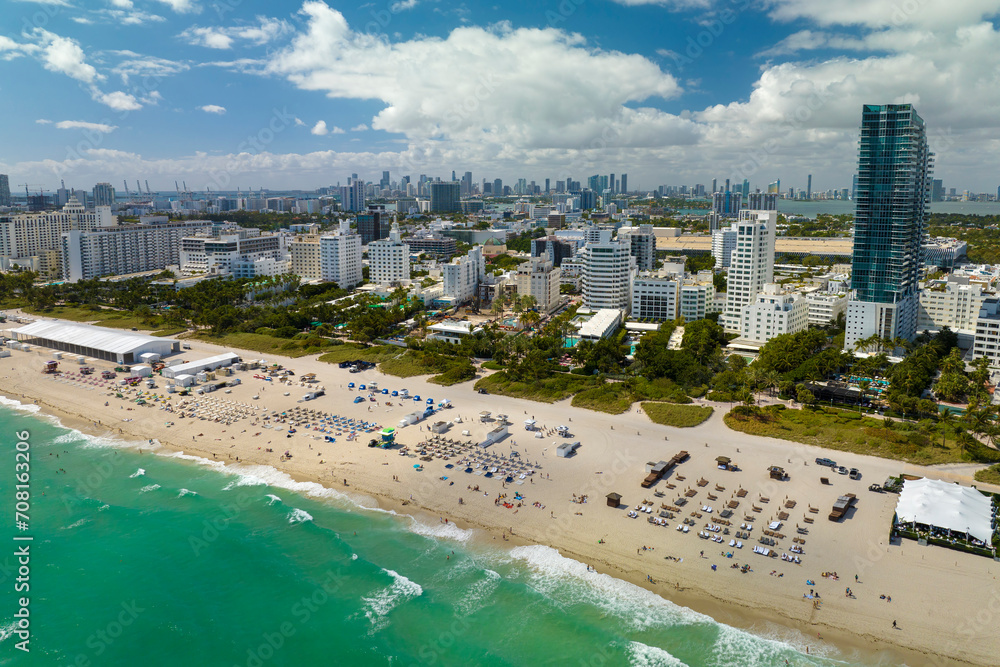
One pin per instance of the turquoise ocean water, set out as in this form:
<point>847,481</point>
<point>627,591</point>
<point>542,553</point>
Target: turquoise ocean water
<point>146,559</point>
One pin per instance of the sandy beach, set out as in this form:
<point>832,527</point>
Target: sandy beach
<point>944,603</point>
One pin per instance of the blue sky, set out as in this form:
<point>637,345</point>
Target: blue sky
<point>226,93</point>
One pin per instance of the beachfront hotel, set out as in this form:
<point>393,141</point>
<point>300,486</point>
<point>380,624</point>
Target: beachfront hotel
<point>891,212</point>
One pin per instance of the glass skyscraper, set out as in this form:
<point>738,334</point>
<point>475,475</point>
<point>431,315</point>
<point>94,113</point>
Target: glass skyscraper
<point>891,212</point>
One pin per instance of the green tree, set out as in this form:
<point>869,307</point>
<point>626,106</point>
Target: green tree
<point>702,339</point>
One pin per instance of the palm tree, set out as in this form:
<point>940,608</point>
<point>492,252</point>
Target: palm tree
<point>531,318</point>
<point>863,386</point>
<point>753,377</point>
<point>946,421</point>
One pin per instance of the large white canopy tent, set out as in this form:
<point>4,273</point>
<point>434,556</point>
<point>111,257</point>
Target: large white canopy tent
<point>117,345</point>
<point>944,505</point>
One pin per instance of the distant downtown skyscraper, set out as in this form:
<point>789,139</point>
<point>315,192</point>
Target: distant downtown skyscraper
<point>891,211</point>
<point>4,190</point>
<point>445,197</point>
<point>104,195</point>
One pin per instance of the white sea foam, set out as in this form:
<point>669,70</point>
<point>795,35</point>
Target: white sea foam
<point>7,630</point>
<point>256,475</point>
<point>76,523</point>
<point>479,593</point>
<point>448,531</point>
<point>18,405</point>
<point>138,473</point>
<point>196,459</point>
<point>643,655</point>
<point>274,499</point>
<point>299,516</point>
<point>738,648</point>
<point>149,487</point>
<point>560,579</point>
<point>186,492</point>
<point>378,606</point>
<point>354,556</point>
<point>103,507</point>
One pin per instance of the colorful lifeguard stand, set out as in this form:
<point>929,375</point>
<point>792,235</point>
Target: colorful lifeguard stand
<point>388,436</point>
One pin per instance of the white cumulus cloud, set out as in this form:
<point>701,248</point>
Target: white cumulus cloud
<point>118,100</point>
<point>319,129</point>
<point>481,86</point>
<point>213,108</point>
<point>264,31</point>
<point>103,128</point>
<point>63,55</point>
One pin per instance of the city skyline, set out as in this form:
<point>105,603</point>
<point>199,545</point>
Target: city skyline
<point>301,94</point>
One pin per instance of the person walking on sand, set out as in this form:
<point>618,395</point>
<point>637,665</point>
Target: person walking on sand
<point>894,626</point>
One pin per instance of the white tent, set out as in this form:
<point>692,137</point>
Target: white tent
<point>935,503</point>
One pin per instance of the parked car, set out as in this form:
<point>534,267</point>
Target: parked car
<point>482,391</point>
<point>830,463</point>
<point>855,473</point>
<point>840,470</point>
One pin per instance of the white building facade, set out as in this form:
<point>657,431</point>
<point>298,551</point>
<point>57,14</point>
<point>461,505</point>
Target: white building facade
<point>825,307</point>
<point>27,238</point>
<point>462,276</point>
<point>237,255</point>
<point>752,264</point>
<point>773,313</point>
<point>955,306</point>
<point>642,242</point>
<point>124,249</point>
<point>723,244</point>
<point>389,259</point>
<point>540,279</point>
<point>305,257</point>
<point>656,298</point>
<point>608,269</point>
<point>697,295</point>
<point>340,257</point>
<point>987,340</point>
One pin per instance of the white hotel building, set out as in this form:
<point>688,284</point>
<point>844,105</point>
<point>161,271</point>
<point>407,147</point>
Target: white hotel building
<point>340,257</point>
<point>389,259</point>
<point>34,240</point>
<point>751,265</point>
<point>955,306</point>
<point>241,255</point>
<point>125,249</point>
<point>540,279</point>
<point>608,268</point>
<point>773,313</point>
<point>462,276</point>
